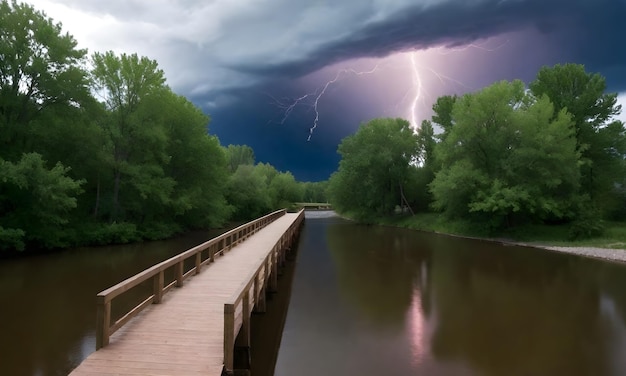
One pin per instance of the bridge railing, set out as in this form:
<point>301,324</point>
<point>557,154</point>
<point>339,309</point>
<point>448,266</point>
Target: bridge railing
<point>216,246</point>
<point>238,308</point>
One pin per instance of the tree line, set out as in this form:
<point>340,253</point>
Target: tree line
<point>97,149</point>
<point>506,155</point>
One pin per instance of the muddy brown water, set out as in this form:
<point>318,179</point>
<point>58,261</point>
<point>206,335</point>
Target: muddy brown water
<point>370,300</point>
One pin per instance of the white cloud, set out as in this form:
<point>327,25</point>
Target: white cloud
<point>621,100</point>
<point>199,43</point>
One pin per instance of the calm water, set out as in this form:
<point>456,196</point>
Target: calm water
<point>48,302</point>
<point>384,301</point>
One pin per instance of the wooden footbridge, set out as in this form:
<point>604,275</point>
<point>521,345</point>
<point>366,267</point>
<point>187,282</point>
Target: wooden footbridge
<point>194,329</point>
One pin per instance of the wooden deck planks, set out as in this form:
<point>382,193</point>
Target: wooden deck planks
<point>184,335</point>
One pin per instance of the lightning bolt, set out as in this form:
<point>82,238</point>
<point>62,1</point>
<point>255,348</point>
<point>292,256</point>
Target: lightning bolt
<point>417,84</point>
<point>478,46</point>
<point>416,92</point>
<point>325,87</point>
<point>317,96</point>
<point>288,107</point>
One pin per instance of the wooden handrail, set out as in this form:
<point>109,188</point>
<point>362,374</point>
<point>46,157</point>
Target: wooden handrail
<point>243,300</point>
<point>215,246</point>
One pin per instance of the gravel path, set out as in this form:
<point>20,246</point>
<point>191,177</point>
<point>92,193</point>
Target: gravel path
<point>601,253</point>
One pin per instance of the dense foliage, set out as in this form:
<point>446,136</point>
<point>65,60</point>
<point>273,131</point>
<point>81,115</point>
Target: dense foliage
<point>503,156</point>
<point>375,168</point>
<point>110,154</point>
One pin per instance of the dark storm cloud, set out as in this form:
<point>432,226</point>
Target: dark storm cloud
<point>588,31</point>
<point>206,47</point>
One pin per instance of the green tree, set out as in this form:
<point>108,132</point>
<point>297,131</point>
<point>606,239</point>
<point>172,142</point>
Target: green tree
<point>35,202</point>
<point>237,155</point>
<point>600,140</point>
<point>314,191</point>
<point>419,196</point>
<point>134,135</point>
<point>507,159</point>
<point>40,71</point>
<point>374,169</point>
<point>284,190</point>
<point>442,116</point>
<point>197,163</point>
<point>247,191</point>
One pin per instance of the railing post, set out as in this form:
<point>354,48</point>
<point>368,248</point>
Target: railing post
<point>212,249</point>
<point>229,337</point>
<point>103,323</point>
<point>179,273</point>
<point>243,338</point>
<point>157,287</point>
<point>199,261</point>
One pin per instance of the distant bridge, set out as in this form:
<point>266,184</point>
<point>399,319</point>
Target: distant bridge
<point>194,329</point>
<point>314,205</point>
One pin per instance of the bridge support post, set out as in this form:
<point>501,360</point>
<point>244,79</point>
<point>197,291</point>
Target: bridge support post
<point>242,342</point>
<point>273,283</point>
<point>261,305</point>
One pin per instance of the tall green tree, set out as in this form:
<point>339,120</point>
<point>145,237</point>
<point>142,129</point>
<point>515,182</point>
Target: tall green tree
<point>600,139</point>
<point>419,196</point>
<point>374,169</point>
<point>40,71</point>
<point>43,89</point>
<point>135,138</point>
<point>507,159</point>
<point>197,163</point>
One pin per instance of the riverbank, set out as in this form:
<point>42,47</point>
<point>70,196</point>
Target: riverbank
<point>610,246</point>
<point>609,254</point>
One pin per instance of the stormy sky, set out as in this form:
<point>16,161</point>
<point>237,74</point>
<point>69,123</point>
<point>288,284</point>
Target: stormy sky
<point>292,78</point>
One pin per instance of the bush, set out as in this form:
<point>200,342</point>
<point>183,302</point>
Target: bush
<point>589,224</point>
<point>111,233</point>
<point>11,239</point>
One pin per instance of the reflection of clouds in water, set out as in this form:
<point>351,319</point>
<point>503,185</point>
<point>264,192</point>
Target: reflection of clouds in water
<point>318,214</point>
<point>618,331</point>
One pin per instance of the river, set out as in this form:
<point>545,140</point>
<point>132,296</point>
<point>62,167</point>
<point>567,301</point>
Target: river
<point>370,300</point>
<point>363,300</point>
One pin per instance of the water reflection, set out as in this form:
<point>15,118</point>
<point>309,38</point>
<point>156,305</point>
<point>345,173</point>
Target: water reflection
<point>373,300</point>
<point>416,329</point>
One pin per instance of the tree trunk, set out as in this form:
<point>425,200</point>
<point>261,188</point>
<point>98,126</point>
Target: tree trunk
<point>116,192</point>
<point>405,200</point>
<point>97,205</point>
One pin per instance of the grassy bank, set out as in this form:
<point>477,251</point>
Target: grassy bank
<point>614,235</point>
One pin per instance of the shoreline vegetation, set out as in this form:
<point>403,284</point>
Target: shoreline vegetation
<point>611,246</point>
